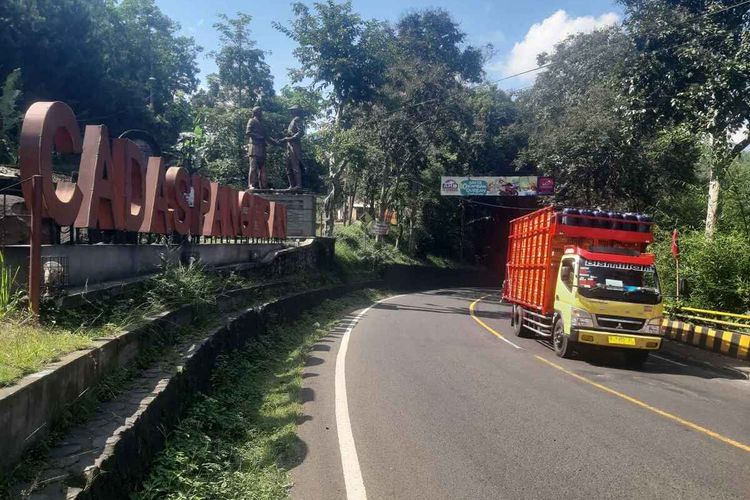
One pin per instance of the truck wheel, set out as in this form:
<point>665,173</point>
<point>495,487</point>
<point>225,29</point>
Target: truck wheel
<point>518,329</point>
<point>560,342</point>
<point>635,358</point>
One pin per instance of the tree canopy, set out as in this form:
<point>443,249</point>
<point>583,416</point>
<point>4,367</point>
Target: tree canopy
<point>124,64</point>
<point>637,116</point>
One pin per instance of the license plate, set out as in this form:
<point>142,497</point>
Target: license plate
<point>614,339</point>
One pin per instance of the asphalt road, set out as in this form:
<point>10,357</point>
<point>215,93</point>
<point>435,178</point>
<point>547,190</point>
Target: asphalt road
<point>440,407</point>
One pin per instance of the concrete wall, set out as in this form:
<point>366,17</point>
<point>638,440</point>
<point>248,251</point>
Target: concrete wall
<point>313,254</point>
<point>91,264</point>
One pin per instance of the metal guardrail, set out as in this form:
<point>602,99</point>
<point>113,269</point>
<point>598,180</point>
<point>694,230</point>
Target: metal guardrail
<point>719,318</point>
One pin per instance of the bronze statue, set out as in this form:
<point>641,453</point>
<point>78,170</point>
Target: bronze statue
<point>293,142</point>
<point>256,131</point>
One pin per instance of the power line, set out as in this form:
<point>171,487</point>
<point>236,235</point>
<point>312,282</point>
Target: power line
<point>705,14</point>
<point>523,72</point>
<point>475,202</point>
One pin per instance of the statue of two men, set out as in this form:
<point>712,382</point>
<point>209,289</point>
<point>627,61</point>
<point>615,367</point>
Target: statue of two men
<point>259,139</point>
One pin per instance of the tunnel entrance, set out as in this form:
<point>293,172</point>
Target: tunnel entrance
<point>487,223</point>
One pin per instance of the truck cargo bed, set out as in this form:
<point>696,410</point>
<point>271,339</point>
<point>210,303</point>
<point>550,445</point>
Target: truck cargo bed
<point>536,244</point>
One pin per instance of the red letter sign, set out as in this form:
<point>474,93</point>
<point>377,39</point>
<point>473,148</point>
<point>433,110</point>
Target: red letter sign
<point>100,182</point>
<point>48,126</point>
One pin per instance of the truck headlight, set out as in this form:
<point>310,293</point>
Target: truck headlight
<point>653,326</point>
<point>580,318</point>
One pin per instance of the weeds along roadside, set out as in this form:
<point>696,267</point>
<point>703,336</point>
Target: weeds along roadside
<point>161,351</point>
<point>239,439</point>
<point>27,345</point>
<point>106,389</point>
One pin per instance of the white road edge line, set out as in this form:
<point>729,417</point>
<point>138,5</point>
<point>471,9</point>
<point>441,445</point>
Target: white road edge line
<point>355,486</point>
<point>668,360</point>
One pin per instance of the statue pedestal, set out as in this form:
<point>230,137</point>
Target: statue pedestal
<point>300,210</point>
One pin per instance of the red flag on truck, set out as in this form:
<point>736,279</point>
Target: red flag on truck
<point>675,244</point>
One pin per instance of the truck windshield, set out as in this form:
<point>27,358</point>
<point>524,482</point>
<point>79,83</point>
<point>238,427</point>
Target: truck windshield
<point>620,282</point>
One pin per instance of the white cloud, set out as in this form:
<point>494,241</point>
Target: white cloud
<point>740,135</point>
<point>542,37</point>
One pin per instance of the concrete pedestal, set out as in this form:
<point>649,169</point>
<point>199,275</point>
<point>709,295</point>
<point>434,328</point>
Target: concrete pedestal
<point>300,209</point>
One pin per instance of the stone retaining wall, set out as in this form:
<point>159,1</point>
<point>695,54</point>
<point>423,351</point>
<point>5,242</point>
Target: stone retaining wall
<point>29,408</point>
<point>125,459</point>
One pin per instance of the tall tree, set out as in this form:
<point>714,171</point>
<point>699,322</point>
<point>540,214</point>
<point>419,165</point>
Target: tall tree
<point>244,75</point>
<point>122,64</point>
<point>222,109</point>
<point>578,134</point>
<point>345,56</point>
<point>339,51</point>
<point>692,66</point>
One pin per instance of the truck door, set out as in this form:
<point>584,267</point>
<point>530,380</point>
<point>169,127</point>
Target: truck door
<point>564,296</point>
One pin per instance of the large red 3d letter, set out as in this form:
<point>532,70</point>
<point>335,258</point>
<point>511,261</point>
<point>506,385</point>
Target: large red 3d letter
<point>277,221</point>
<point>259,212</point>
<point>232,223</point>
<point>178,187</point>
<point>100,182</point>
<point>128,159</point>
<point>245,201</point>
<point>156,217</point>
<point>48,127</point>
<point>201,203</point>
<point>213,224</point>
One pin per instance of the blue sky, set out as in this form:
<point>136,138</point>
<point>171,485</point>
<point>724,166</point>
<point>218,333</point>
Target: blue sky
<point>517,29</point>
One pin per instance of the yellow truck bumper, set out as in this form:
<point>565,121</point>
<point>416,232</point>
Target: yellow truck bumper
<point>617,339</point>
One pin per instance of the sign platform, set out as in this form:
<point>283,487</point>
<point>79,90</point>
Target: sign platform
<point>300,210</point>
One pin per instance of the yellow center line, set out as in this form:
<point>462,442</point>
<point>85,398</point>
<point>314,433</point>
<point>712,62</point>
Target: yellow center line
<point>630,399</point>
<point>472,309</point>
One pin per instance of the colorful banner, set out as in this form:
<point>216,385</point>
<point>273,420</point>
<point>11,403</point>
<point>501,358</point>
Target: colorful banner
<point>489,186</point>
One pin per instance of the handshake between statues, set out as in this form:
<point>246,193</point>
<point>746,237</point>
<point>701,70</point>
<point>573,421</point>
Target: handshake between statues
<point>258,141</point>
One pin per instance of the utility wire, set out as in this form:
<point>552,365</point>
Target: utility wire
<point>528,209</point>
<point>524,72</point>
<point>705,14</point>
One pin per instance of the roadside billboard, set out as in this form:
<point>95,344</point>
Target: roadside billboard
<point>489,186</point>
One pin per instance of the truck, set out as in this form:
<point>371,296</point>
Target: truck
<point>583,278</point>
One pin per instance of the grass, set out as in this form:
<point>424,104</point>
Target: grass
<point>106,389</point>
<point>26,348</point>
<point>239,439</point>
<point>357,252</point>
<point>116,382</point>
<point>28,344</point>
<point>8,298</point>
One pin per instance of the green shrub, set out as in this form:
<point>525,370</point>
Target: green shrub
<point>359,250</point>
<point>717,271</point>
<point>179,284</point>
<point>9,298</point>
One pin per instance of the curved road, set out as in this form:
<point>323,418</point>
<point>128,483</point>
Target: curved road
<point>438,405</point>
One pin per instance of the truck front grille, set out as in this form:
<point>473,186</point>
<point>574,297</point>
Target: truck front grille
<point>620,323</point>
